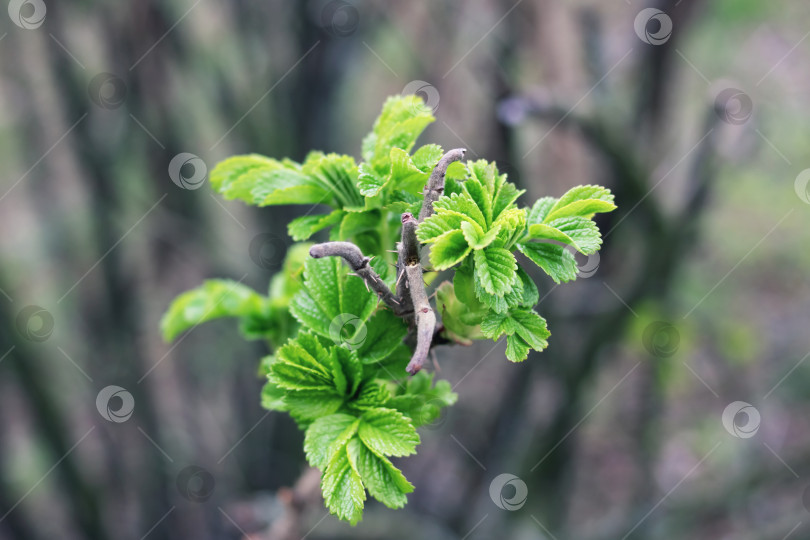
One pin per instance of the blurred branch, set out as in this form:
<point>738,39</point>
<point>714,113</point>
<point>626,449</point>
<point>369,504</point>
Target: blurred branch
<point>304,494</point>
<point>629,173</point>
<point>81,497</point>
<point>664,247</point>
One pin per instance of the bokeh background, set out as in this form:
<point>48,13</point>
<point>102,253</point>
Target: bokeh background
<point>673,400</point>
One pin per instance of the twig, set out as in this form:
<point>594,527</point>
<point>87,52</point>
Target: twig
<point>423,324</point>
<point>297,499</point>
<point>435,184</point>
<point>408,250</point>
<point>411,301</point>
<point>360,264</point>
<point>425,318</point>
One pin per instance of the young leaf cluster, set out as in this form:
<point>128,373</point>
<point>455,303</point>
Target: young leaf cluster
<point>338,354</point>
<point>477,227</point>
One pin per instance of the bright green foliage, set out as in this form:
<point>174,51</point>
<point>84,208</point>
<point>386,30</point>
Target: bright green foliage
<point>338,356</point>
<point>217,298</point>
<point>566,220</point>
<point>328,293</point>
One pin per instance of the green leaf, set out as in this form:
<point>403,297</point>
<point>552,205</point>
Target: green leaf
<point>512,223</point>
<point>583,193</point>
<point>273,397</point>
<point>463,206</point>
<point>384,481</point>
<point>215,299</point>
<point>236,176</point>
<point>581,208</point>
<point>304,364</point>
<point>355,223</point>
<point>547,232</point>
<point>343,489</point>
<point>517,350</point>
<point>286,186</point>
<point>348,371</point>
<point>326,435</point>
<point>369,182</point>
<point>388,432</point>
<point>448,249</point>
<point>303,227</point>
<point>405,175</point>
<point>464,288</point>
<point>287,282</point>
<point>336,174</point>
<point>372,394</point>
<point>308,405</point>
<point>582,201</point>
<point>556,261</point>
<point>504,197</point>
<point>480,186</point>
<point>454,178</point>
<point>582,231</point>
<point>526,324</point>
<point>495,270</point>
<point>422,401</point>
<point>332,302</point>
<point>393,366</point>
<point>476,237</point>
<point>453,316</point>
<point>427,157</point>
<point>540,210</point>
<point>499,304</point>
<point>385,332</point>
<point>402,120</point>
<point>295,377</point>
<point>437,225</point>
<point>530,293</point>
<point>306,350</point>
<point>419,383</point>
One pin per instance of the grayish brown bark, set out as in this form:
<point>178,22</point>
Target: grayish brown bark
<point>435,185</point>
<point>360,265</point>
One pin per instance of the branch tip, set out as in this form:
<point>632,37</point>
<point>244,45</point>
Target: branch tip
<point>435,184</point>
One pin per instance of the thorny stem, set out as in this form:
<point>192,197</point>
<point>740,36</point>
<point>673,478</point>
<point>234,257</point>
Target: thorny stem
<point>411,301</point>
<point>423,323</point>
<point>408,249</point>
<point>360,265</point>
<point>435,184</point>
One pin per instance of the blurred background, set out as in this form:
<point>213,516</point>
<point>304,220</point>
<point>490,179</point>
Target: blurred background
<point>672,402</point>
